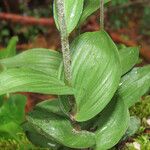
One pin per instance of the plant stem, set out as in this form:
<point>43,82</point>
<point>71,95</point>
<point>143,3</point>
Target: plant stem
<point>101,14</point>
<point>64,41</point>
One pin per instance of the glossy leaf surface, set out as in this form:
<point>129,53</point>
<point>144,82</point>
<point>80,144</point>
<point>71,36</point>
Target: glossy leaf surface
<point>39,139</point>
<point>11,48</point>
<point>28,80</point>
<point>51,106</point>
<point>65,105</point>
<point>129,57</point>
<point>134,125</point>
<point>112,124</point>
<point>1,100</point>
<point>90,6</point>
<point>96,73</point>
<point>59,129</point>
<point>134,84</point>
<point>40,59</point>
<point>73,10</point>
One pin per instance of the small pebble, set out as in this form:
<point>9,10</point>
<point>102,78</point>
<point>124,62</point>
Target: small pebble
<point>137,146</point>
<point>148,121</point>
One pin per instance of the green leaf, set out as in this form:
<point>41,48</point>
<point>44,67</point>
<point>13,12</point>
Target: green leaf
<point>73,10</point>
<point>90,6</point>
<point>129,57</point>
<point>65,105</point>
<point>44,60</point>
<point>11,48</point>
<point>134,125</point>
<point>1,100</point>
<point>39,139</point>
<point>12,115</point>
<point>96,72</point>
<point>112,124</point>
<point>28,80</point>
<point>52,106</point>
<point>134,84</point>
<point>60,129</point>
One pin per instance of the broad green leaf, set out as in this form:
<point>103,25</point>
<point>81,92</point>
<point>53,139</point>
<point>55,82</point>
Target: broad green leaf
<point>96,72</point>
<point>12,115</point>
<point>39,139</point>
<point>28,80</point>
<point>40,59</point>
<point>134,125</point>
<point>90,6</point>
<point>73,10</point>
<point>129,57</point>
<point>134,84</point>
<point>112,124</point>
<point>121,46</point>
<point>1,100</point>
<point>11,48</point>
<point>59,129</point>
<point>65,105</point>
<point>65,148</point>
<point>2,68</point>
<point>51,106</point>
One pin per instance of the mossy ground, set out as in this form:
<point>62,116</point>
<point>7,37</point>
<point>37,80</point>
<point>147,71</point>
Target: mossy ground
<point>142,108</point>
<point>22,144</point>
<point>142,137</point>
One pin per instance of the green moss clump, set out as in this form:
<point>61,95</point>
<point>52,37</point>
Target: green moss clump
<point>141,109</point>
<point>143,140</point>
<point>9,144</point>
<point>21,144</point>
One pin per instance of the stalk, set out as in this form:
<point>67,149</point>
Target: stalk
<point>101,14</point>
<point>64,41</point>
<point>65,50</point>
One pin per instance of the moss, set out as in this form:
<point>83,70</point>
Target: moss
<point>143,140</point>
<point>22,144</point>
<point>8,144</point>
<point>141,109</point>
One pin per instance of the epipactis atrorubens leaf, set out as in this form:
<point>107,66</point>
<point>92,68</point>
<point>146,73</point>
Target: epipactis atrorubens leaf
<point>134,84</point>
<point>51,106</point>
<point>134,125</point>
<point>96,72</point>
<point>35,70</point>
<point>73,10</point>
<point>29,80</point>
<point>129,57</point>
<point>59,128</point>
<point>90,6</point>
<point>40,59</point>
<point>112,124</point>
<point>38,139</point>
